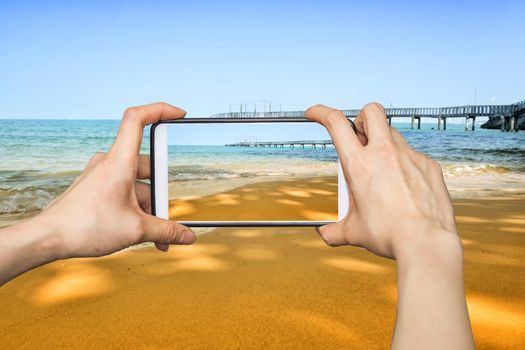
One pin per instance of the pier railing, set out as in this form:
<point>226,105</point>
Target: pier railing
<point>509,114</point>
<point>281,144</point>
<point>423,112</point>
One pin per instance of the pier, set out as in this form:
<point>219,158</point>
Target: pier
<point>281,144</point>
<point>510,115</point>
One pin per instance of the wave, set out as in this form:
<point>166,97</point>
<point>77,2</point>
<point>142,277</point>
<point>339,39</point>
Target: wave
<point>233,171</point>
<point>513,152</point>
<point>465,169</point>
<point>27,199</point>
<point>25,191</point>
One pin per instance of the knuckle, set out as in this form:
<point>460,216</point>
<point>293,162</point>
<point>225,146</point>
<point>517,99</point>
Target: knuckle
<point>420,158</point>
<point>373,107</point>
<point>97,157</point>
<point>168,233</point>
<point>435,166</point>
<point>334,117</point>
<point>311,110</point>
<point>131,114</point>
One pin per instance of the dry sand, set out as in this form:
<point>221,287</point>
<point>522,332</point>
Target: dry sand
<point>305,199</point>
<point>260,288</point>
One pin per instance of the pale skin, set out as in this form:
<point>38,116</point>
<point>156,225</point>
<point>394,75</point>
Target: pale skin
<point>106,210</point>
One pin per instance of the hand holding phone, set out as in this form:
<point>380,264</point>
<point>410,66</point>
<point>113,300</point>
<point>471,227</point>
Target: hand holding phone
<point>400,208</point>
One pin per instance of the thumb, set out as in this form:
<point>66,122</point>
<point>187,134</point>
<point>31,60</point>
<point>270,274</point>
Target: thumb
<point>332,234</point>
<point>164,232</point>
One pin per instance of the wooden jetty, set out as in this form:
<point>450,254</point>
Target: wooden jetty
<point>281,144</point>
<point>509,114</point>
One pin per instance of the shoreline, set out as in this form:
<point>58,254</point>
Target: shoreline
<point>10,218</point>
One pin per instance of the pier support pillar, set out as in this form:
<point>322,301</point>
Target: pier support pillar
<point>389,121</point>
<point>514,123</point>
<point>412,123</point>
<point>470,119</point>
<point>418,122</point>
<point>506,121</point>
<point>442,121</point>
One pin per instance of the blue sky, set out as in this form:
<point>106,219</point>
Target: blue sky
<point>93,59</point>
<point>221,134</point>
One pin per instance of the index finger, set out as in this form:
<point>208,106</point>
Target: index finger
<point>340,129</point>
<point>375,122</point>
<point>129,137</point>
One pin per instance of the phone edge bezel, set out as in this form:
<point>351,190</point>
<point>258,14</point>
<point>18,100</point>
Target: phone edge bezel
<point>208,120</point>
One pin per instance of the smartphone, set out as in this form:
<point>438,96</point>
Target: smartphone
<point>211,172</point>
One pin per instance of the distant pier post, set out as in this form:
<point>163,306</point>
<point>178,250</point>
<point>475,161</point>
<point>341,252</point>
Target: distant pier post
<point>470,119</point>
<point>506,123</point>
<point>389,121</point>
<point>514,123</point>
<point>442,121</point>
<point>418,122</point>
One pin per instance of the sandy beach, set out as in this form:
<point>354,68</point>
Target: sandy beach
<point>312,198</point>
<point>260,288</point>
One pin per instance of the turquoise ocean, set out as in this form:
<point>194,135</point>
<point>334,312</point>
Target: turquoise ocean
<point>40,158</point>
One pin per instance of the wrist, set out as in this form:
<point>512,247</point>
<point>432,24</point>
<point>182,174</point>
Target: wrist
<point>26,245</point>
<point>41,236</point>
<point>432,249</point>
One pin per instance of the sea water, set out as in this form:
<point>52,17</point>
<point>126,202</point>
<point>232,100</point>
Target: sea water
<point>40,158</point>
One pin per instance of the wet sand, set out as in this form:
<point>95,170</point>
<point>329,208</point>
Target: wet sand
<point>260,288</point>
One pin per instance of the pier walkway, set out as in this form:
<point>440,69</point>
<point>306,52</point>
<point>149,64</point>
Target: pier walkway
<point>280,144</point>
<point>509,114</point>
